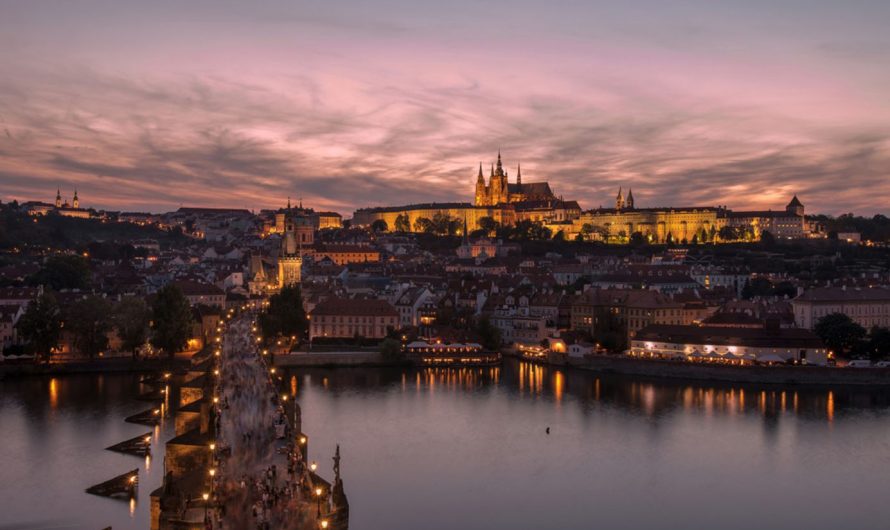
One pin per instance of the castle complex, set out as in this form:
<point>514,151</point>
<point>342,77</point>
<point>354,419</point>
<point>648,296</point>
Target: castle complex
<point>510,202</point>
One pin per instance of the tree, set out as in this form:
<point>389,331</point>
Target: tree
<point>172,320</point>
<point>285,315</point>
<point>63,272</point>
<point>379,226</point>
<point>586,231</point>
<point>757,286</point>
<point>637,239</point>
<point>403,223</point>
<point>89,322</point>
<point>131,318</point>
<point>422,224</point>
<point>839,332</point>
<point>728,233</point>
<point>488,333</point>
<point>444,224</point>
<point>391,350</point>
<point>41,325</point>
<point>878,347</point>
<point>767,238</point>
<point>488,224</point>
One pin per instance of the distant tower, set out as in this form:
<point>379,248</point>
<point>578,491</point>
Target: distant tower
<point>795,207</point>
<point>290,261</point>
<point>519,177</point>
<point>480,189</point>
<point>629,203</point>
<point>58,198</point>
<point>75,202</point>
<point>619,201</point>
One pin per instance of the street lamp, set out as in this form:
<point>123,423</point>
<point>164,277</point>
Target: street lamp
<point>313,466</point>
<point>324,523</point>
<point>318,501</point>
<point>205,496</point>
<point>212,474</point>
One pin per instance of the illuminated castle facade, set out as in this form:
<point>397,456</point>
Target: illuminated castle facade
<point>503,201</point>
<point>510,202</point>
<point>500,191</point>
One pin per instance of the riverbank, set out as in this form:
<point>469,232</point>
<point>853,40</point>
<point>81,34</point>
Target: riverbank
<point>769,375</point>
<point>118,365</point>
<point>334,359</point>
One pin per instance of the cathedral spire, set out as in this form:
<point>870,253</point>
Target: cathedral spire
<point>492,170</point>
<point>619,201</point>
<point>481,179</point>
<point>500,170</point>
<point>629,202</point>
<point>519,174</point>
<point>288,202</point>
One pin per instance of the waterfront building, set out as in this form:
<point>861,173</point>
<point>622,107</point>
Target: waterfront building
<point>623,312</point>
<point>733,345</point>
<point>867,306</point>
<point>348,318</point>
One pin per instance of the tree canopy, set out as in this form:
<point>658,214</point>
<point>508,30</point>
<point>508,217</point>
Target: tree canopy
<point>839,332</point>
<point>89,321</point>
<point>285,315</point>
<point>63,272</point>
<point>171,320</point>
<point>41,325</point>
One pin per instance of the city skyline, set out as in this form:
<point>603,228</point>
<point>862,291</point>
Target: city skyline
<point>147,107</point>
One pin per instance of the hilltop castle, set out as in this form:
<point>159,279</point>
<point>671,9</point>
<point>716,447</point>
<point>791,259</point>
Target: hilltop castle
<point>499,191</point>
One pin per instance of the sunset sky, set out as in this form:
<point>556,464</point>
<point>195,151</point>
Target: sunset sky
<point>150,105</point>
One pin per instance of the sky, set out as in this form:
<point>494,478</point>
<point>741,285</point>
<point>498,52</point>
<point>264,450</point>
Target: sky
<point>151,105</point>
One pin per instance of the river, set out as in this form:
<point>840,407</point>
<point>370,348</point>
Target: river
<point>468,448</point>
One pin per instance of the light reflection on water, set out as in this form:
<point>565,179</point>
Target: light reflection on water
<point>466,448</point>
<point>54,434</point>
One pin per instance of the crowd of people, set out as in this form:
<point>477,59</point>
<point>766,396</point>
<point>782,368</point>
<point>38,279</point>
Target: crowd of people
<point>261,479</point>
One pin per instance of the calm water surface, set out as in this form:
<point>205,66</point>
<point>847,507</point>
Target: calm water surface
<point>443,449</point>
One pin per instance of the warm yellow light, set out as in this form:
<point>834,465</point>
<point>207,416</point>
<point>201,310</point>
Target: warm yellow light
<point>324,524</point>
<point>148,439</point>
<point>318,491</point>
<point>212,472</point>
<point>205,496</point>
<point>302,440</point>
<point>272,370</point>
<point>283,397</point>
<point>212,446</point>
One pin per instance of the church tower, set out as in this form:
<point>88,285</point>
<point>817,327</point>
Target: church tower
<point>481,199</point>
<point>795,207</point>
<point>619,201</point>
<point>75,202</point>
<point>629,202</point>
<point>58,198</point>
<point>290,259</point>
